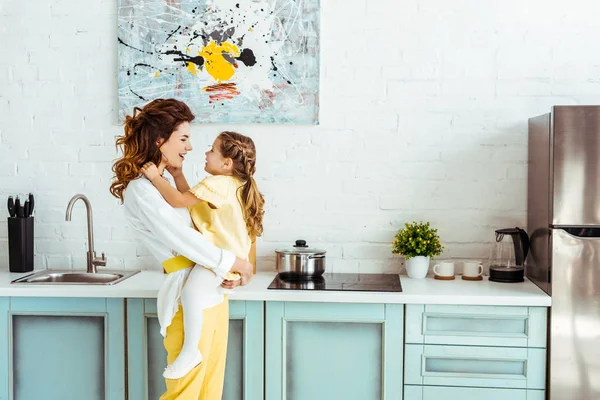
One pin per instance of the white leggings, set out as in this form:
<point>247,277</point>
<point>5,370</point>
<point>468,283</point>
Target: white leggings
<point>200,291</point>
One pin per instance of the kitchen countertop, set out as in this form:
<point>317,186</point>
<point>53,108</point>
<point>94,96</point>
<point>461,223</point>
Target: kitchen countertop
<point>414,291</point>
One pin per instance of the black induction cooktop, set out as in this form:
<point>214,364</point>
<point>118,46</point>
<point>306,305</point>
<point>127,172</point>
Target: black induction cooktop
<point>342,282</point>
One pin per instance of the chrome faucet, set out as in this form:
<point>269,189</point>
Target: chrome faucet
<point>92,260</point>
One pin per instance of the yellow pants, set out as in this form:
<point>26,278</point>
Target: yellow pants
<point>205,382</point>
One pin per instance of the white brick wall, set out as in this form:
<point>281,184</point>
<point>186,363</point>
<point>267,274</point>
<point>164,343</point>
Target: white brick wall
<point>424,108</point>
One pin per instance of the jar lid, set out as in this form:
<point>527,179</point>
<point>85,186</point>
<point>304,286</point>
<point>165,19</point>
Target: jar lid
<point>300,247</point>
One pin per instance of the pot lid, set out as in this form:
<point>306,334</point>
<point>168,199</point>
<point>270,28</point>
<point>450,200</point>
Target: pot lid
<point>300,247</point>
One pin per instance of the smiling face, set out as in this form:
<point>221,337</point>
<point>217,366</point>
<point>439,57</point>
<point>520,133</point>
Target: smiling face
<point>216,164</point>
<point>175,149</point>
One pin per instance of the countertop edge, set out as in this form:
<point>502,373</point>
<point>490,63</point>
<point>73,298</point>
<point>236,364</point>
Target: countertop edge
<point>145,285</point>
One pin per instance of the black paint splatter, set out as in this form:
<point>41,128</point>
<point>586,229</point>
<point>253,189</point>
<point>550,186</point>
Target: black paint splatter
<point>247,57</point>
<point>143,65</point>
<point>172,33</point>
<point>195,36</point>
<point>275,69</point>
<point>198,60</point>
<point>140,97</point>
<point>135,48</point>
<point>152,67</point>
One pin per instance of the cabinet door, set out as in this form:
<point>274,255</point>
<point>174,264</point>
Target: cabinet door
<point>333,351</point>
<point>476,325</point>
<point>457,393</point>
<point>147,356</point>
<point>62,348</point>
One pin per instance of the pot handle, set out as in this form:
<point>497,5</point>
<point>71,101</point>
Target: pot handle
<point>313,257</point>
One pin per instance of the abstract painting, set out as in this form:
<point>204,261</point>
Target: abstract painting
<point>231,61</point>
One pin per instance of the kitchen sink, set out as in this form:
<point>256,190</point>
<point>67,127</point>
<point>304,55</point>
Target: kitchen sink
<point>90,276</point>
<point>57,277</point>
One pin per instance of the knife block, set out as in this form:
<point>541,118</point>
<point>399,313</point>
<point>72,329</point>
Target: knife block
<point>20,244</point>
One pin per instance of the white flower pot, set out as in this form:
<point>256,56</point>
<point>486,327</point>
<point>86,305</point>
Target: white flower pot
<point>417,267</point>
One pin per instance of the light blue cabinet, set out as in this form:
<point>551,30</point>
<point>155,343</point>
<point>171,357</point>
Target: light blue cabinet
<point>86,348</point>
<point>334,351</point>
<point>245,352</point>
<point>475,352</point>
<point>62,348</point>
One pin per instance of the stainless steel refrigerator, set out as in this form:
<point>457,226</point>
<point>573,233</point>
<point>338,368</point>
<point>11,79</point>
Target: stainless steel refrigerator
<point>563,218</point>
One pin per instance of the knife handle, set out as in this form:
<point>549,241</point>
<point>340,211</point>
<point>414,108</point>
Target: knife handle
<point>26,209</point>
<point>11,206</point>
<point>18,209</point>
<point>31,204</point>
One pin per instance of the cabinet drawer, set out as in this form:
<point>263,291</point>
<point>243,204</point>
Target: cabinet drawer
<point>476,325</point>
<point>494,367</point>
<point>457,393</point>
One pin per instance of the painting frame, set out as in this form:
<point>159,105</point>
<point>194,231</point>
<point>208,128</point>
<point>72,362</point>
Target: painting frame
<point>231,61</point>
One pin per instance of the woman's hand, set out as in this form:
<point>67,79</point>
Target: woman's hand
<point>231,284</point>
<point>174,171</point>
<point>150,171</point>
<point>244,268</point>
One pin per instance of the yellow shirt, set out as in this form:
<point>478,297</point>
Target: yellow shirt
<point>220,217</point>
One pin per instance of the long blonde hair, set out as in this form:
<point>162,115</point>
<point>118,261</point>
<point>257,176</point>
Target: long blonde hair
<point>242,151</point>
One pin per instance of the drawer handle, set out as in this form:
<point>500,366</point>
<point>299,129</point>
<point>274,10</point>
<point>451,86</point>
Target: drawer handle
<point>464,325</point>
<point>474,366</point>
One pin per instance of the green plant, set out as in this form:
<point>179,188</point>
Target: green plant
<point>417,239</point>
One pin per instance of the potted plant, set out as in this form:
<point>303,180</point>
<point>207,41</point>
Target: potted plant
<point>418,242</point>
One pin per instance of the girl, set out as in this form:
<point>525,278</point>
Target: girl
<point>227,208</point>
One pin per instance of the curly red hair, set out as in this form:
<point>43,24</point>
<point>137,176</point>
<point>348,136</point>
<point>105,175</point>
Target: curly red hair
<point>142,133</point>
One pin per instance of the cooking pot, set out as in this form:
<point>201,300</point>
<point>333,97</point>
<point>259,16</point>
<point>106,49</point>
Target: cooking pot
<point>300,262</point>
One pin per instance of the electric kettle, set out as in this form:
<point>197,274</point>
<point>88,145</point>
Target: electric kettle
<point>508,258</point>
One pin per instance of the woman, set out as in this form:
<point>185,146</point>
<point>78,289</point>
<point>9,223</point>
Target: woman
<point>160,133</point>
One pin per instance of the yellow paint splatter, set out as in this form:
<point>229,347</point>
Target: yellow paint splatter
<point>216,65</point>
<point>191,67</point>
<point>156,74</point>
